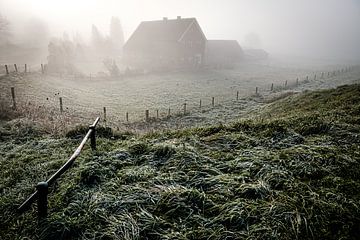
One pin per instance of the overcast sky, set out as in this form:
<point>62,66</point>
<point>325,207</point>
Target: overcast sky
<point>308,28</point>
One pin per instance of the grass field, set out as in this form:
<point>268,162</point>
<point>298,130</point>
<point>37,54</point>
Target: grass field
<point>293,175</point>
<point>85,97</point>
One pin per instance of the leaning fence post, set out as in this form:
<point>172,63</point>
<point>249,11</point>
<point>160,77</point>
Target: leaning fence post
<point>146,115</point>
<point>61,105</point>
<point>7,69</point>
<point>92,137</point>
<point>16,70</point>
<point>42,188</point>
<point>13,98</point>
<point>213,101</point>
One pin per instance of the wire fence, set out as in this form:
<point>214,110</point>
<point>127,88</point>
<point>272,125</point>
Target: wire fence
<point>62,108</point>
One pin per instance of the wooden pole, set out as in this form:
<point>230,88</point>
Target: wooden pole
<point>256,90</point>
<point>92,137</point>
<point>307,78</point>
<point>13,98</point>
<point>157,113</point>
<point>272,87</point>
<point>184,108</point>
<point>237,95</point>
<point>105,120</point>
<point>285,83</point>
<point>7,69</point>
<point>127,116</point>
<point>297,81</point>
<point>25,68</point>
<point>200,103</point>
<point>146,115</point>
<point>42,188</point>
<point>328,74</point>
<point>61,105</point>
<point>16,70</point>
<point>315,77</point>
<point>322,75</point>
<point>169,112</point>
<point>42,68</point>
<point>213,101</point>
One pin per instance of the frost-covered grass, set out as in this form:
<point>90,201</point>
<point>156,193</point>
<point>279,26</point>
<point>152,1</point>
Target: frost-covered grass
<point>291,172</point>
<point>85,96</point>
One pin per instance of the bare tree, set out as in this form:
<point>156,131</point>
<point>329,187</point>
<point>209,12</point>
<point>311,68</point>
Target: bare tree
<point>116,34</point>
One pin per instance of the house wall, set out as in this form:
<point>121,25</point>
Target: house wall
<point>189,52</point>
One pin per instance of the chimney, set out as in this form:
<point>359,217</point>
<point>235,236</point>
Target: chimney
<point>178,17</point>
<point>165,18</point>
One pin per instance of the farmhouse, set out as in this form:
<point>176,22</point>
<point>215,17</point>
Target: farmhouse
<point>223,53</point>
<point>166,43</point>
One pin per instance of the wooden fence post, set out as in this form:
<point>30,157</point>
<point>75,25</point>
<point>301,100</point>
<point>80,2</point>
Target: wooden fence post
<point>322,75</point>
<point>157,113</point>
<point>169,112</point>
<point>13,98</point>
<point>42,68</point>
<point>200,104</point>
<point>307,78</point>
<point>315,77</point>
<point>237,95</point>
<point>328,74</point>
<point>184,108</point>
<point>25,68</point>
<point>285,83</point>
<point>92,137</point>
<point>256,90</point>
<point>105,120</point>
<point>16,70</point>
<point>272,87</point>
<point>7,69</point>
<point>146,115</point>
<point>42,188</point>
<point>297,81</point>
<point>213,101</point>
<point>61,105</point>
<point>127,116</point>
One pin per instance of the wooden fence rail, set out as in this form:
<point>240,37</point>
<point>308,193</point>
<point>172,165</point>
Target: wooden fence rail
<point>42,187</point>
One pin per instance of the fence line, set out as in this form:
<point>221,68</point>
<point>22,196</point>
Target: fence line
<point>186,108</point>
<point>42,187</point>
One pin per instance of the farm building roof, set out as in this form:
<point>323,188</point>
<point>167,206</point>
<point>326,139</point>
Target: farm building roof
<point>224,47</point>
<point>161,30</point>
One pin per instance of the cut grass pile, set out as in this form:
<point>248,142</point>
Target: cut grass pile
<point>294,175</point>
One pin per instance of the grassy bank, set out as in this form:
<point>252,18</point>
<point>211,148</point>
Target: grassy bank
<point>292,172</point>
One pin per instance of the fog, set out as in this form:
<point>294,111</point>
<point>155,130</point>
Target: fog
<point>321,29</point>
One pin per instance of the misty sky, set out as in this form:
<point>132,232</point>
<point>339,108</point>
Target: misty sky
<point>306,28</point>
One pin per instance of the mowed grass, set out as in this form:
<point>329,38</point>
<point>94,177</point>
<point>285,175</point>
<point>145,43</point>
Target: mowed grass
<point>292,172</point>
